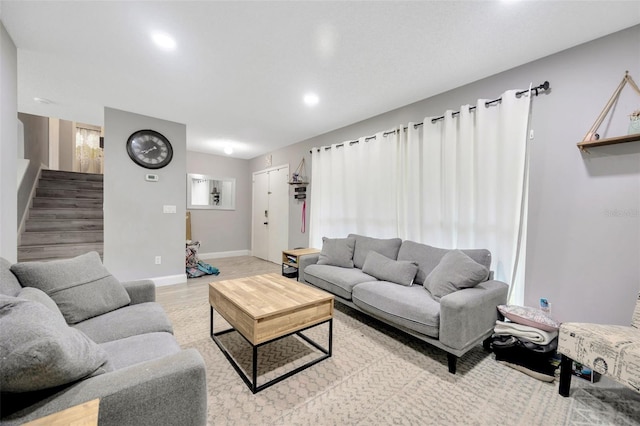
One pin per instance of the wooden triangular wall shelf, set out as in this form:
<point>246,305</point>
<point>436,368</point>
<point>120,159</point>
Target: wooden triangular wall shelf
<point>591,140</point>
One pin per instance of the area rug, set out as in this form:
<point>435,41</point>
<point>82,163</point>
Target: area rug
<point>378,376</point>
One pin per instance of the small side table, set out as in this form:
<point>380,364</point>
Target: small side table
<point>291,259</point>
<point>85,414</point>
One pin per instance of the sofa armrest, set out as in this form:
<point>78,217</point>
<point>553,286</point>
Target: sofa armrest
<point>140,291</point>
<point>169,390</point>
<point>467,315</point>
<point>304,261</point>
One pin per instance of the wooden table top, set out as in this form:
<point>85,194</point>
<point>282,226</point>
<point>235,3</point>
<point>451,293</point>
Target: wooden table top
<point>85,414</point>
<point>270,294</point>
<point>301,252</point>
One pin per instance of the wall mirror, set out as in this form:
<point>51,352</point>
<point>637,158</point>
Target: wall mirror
<point>207,192</point>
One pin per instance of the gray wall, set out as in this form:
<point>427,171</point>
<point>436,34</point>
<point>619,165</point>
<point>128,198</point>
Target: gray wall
<point>221,231</point>
<point>66,146</point>
<point>8,146</point>
<point>583,249</point>
<point>136,229</point>
<point>36,149</point>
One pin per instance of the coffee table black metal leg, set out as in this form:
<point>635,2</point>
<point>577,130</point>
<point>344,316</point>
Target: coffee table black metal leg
<point>252,382</point>
<point>254,389</point>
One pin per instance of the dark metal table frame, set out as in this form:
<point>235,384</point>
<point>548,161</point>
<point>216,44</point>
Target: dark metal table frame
<point>253,384</point>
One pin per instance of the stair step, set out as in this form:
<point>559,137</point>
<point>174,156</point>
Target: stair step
<point>58,251</point>
<point>70,184</point>
<point>63,224</point>
<point>69,193</point>
<point>57,174</point>
<point>65,218</point>
<point>40,213</point>
<point>83,203</point>
<point>60,237</point>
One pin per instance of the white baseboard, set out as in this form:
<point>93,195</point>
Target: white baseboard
<point>169,280</point>
<point>221,254</point>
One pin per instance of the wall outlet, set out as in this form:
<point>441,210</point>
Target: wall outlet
<point>168,209</point>
<point>158,260</point>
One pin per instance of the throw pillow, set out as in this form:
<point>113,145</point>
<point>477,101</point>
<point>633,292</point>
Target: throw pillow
<point>81,287</point>
<point>385,269</point>
<point>455,271</point>
<point>37,295</point>
<point>337,252</point>
<point>387,247</point>
<point>40,351</point>
<point>529,316</point>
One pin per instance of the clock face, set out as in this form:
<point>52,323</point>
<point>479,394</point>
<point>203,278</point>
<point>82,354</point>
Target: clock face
<point>149,149</point>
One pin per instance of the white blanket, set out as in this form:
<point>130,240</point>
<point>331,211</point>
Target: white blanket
<point>530,333</point>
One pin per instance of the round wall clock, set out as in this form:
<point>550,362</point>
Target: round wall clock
<point>149,149</point>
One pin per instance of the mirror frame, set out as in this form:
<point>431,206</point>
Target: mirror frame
<point>190,205</point>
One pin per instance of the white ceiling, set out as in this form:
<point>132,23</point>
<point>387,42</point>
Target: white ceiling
<point>241,69</point>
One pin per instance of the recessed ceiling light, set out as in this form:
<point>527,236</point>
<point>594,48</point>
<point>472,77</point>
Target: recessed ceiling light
<point>42,100</point>
<point>228,150</point>
<point>163,40</point>
<point>311,99</point>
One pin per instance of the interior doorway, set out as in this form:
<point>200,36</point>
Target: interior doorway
<point>270,213</point>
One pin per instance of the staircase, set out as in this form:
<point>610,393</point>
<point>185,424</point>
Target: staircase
<point>65,218</point>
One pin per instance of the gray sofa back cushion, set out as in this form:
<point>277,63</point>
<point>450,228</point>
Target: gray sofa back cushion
<point>9,284</point>
<point>81,287</point>
<point>40,351</point>
<point>386,247</point>
<point>428,257</point>
<point>337,252</point>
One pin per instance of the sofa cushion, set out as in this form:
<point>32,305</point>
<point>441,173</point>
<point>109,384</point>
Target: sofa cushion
<point>335,280</point>
<point>428,257</point>
<point>410,307</point>
<point>37,295</point>
<point>396,271</point>
<point>386,247</point>
<point>337,252</point>
<point>128,321</point>
<point>455,271</point>
<point>9,284</point>
<point>40,351</point>
<point>81,287</point>
<point>526,315</point>
<point>141,348</point>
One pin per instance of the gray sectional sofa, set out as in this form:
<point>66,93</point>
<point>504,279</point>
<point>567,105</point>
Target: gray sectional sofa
<point>443,297</point>
<point>71,333</point>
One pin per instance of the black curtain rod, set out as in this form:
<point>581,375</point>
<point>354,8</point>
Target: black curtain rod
<point>536,90</point>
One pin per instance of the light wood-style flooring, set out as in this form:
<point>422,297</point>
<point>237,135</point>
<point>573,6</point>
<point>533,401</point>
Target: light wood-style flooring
<point>197,289</point>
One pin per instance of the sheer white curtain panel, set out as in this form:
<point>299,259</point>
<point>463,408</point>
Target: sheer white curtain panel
<point>455,182</point>
<point>88,156</point>
<point>354,189</point>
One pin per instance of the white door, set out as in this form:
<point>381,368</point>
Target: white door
<point>270,218</point>
<point>278,213</point>
<point>260,216</point>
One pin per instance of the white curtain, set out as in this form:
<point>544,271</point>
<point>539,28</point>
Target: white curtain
<point>354,189</point>
<point>457,182</point>
<point>88,156</point>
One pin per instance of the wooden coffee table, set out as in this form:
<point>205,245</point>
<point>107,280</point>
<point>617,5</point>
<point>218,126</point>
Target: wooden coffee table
<point>265,308</point>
